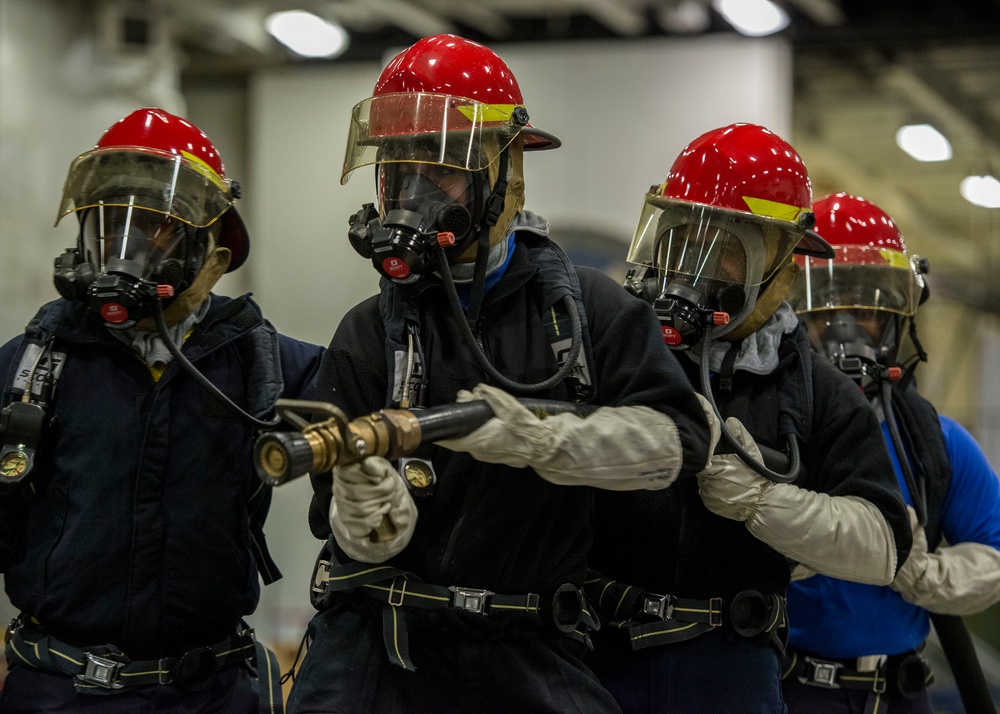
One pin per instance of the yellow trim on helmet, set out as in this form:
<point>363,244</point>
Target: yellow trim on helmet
<point>774,209</point>
<point>200,165</point>
<point>487,112</point>
<point>894,258</point>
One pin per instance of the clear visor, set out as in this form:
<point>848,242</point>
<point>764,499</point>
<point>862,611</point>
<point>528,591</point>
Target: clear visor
<point>145,238</point>
<point>413,186</point>
<point>177,186</point>
<point>428,128</point>
<point>704,243</point>
<point>858,277</point>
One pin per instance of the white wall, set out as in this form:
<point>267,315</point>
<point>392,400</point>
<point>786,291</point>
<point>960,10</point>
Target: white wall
<point>58,93</point>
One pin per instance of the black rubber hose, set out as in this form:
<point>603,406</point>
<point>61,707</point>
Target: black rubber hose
<point>959,650</point>
<point>185,363</point>
<point>443,422</point>
<point>777,466</point>
<point>576,342</point>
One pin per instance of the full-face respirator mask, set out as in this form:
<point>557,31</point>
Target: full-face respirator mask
<point>698,275</point>
<point>127,259</point>
<point>423,208</point>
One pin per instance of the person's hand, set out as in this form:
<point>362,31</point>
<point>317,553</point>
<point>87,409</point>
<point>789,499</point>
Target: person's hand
<point>960,579</point>
<point>372,514</point>
<point>844,537</point>
<point>728,487</point>
<point>615,448</point>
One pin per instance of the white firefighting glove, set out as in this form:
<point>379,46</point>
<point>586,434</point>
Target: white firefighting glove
<point>841,536</point>
<point>615,448</point>
<point>372,514</point>
<point>960,579</point>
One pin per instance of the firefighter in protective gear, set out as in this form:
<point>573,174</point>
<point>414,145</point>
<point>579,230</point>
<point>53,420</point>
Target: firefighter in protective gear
<point>476,603</point>
<point>126,484</point>
<point>695,623</point>
<point>858,306</point>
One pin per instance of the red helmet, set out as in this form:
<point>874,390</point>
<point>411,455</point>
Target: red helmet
<point>736,202</point>
<point>161,163</point>
<point>435,102</point>
<point>870,269</point>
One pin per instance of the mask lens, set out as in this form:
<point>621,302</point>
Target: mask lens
<point>414,186</point>
<point>144,238</point>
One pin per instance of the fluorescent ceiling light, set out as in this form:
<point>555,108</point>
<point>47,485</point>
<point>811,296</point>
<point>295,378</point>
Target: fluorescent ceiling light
<point>923,142</point>
<point>754,18</point>
<point>981,190</point>
<point>306,34</point>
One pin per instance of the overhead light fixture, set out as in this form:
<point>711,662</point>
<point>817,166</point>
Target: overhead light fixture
<point>923,142</point>
<point>981,191</point>
<point>754,18</point>
<point>306,34</point>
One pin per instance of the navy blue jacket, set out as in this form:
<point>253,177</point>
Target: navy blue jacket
<point>140,532</point>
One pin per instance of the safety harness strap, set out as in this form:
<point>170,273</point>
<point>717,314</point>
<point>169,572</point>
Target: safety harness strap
<point>903,674</point>
<point>105,669</point>
<point>399,590</point>
<point>652,619</point>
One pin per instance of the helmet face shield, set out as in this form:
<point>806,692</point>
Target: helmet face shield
<point>858,277</point>
<point>144,239</point>
<point>702,243</point>
<point>178,186</point>
<point>428,128</point>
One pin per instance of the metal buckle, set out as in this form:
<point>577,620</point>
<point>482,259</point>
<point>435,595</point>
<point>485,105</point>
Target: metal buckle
<point>659,606</point>
<point>321,577</point>
<point>101,671</point>
<point>469,599</point>
<point>715,611</point>
<point>821,674</point>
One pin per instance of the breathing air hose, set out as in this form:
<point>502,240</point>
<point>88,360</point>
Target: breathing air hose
<point>777,466</point>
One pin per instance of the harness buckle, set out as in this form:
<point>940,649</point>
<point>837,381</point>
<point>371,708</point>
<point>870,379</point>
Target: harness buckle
<point>820,673</point>
<point>658,606</point>
<point>101,671</point>
<point>469,599</point>
<point>715,611</point>
<point>321,576</point>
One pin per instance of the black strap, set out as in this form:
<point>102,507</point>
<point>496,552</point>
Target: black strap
<point>399,590</point>
<point>903,674</point>
<point>105,669</point>
<point>654,619</point>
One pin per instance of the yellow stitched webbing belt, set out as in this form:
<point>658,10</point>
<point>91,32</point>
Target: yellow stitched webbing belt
<point>652,619</point>
<point>106,670</point>
<point>399,590</point>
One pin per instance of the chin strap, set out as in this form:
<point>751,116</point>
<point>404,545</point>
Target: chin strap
<point>768,300</point>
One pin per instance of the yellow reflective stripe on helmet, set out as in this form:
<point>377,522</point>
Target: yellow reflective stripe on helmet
<point>487,112</point>
<point>200,165</point>
<point>894,258</point>
<point>773,209</point>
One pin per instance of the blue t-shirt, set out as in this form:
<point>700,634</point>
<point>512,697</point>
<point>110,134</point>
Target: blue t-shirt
<point>840,619</point>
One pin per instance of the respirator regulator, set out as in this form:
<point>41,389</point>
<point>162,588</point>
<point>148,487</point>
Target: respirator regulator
<point>683,310</point>
<point>419,219</point>
<point>131,260</point>
<point>852,348</point>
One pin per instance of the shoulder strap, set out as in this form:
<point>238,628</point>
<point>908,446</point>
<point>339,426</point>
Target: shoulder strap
<point>928,452</point>
<point>261,358</point>
<point>558,279</point>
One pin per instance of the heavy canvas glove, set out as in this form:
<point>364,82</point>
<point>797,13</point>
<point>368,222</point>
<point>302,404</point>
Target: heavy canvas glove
<point>364,494</point>
<point>615,448</point>
<point>841,536</point>
<point>960,579</point>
